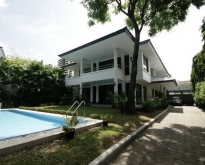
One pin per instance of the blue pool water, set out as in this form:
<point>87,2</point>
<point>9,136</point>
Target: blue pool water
<point>15,122</point>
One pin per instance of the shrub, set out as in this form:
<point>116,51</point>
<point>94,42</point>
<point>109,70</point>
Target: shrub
<point>199,95</point>
<point>148,105</point>
<point>154,104</point>
<point>95,116</point>
<point>47,110</point>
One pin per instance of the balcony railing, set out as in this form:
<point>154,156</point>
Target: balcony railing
<point>102,67</point>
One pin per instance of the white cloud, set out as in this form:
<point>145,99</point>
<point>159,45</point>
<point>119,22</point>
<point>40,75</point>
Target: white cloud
<point>3,4</point>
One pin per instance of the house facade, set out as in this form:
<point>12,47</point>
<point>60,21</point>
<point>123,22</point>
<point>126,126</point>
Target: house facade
<point>105,65</point>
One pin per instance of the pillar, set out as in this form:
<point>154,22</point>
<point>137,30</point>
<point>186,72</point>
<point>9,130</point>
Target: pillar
<point>91,93</point>
<point>123,87</point>
<point>81,89</point>
<point>115,71</point>
<point>142,90</point>
<point>97,94</point>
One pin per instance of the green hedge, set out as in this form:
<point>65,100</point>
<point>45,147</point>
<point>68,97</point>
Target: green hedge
<point>47,110</point>
<point>199,95</point>
<point>153,104</point>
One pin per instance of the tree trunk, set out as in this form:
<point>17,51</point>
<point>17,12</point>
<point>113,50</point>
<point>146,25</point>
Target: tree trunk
<point>133,75</point>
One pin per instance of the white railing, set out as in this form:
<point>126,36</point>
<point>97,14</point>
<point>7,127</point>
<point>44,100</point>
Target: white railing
<point>72,106</point>
<point>79,106</point>
<point>102,67</point>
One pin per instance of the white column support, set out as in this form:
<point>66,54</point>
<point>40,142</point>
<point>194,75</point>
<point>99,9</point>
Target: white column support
<point>135,95</point>
<point>81,89</point>
<point>160,87</point>
<point>123,87</point>
<point>97,93</point>
<point>149,66</point>
<point>91,93</point>
<point>81,73</point>
<point>142,90</point>
<point>115,71</point>
<point>81,66</point>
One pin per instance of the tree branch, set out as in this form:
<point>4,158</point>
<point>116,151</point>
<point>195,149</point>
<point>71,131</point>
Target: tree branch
<point>120,7</point>
<point>142,14</point>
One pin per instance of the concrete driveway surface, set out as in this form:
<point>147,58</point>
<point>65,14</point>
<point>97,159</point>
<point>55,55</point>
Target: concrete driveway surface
<point>177,138</point>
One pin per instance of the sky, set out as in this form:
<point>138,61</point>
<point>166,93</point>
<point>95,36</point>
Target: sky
<point>42,30</point>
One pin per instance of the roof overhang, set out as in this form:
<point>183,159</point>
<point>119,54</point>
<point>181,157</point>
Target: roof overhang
<point>168,82</point>
<point>103,48</point>
<point>156,63</point>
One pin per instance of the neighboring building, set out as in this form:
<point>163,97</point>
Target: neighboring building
<point>105,65</point>
<point>62,62</point>
<point>2,55</point>
<point>183,90</point>
<point>184,83</point>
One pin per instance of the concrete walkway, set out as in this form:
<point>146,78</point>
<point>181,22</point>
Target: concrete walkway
<point>178,138</point>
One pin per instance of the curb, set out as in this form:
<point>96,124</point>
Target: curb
<point>107,156</point>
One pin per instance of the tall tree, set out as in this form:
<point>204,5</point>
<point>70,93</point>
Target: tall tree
<point>156,14</point>
<point>198,62</point>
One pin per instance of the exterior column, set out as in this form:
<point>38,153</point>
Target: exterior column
<point>135,95</point>
<point>81,89</point>
<point>91,93</point>
<point>81,73</point>
<point>160,87</point>
<point>142,90</point>
<point>123,87</point>
<point>115,71</point>
<point>97,94</point>
<point>149,66</point>
<point>81,66</point>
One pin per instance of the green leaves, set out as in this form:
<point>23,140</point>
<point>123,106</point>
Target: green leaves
<point>199,95</point>
<point>98,10</point>
<point>72,122</point>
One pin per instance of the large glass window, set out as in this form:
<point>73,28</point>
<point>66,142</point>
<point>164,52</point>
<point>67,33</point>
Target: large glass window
<point>145,64</point>
<point>127,68</point>
<point>144,92</point>
<point>138,91</point>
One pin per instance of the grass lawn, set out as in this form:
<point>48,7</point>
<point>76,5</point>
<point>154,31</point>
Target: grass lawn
<point>86,146</point>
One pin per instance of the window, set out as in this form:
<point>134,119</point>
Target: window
<point>153,93</point>
<point>127,68</point>
<point>138,91</point>
<point>144,92</point>
<point>145,64</point>
<point>187,92</point>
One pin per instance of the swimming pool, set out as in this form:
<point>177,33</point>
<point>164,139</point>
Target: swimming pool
<point>17,122</point>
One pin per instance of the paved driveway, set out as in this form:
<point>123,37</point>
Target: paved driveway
<point>178,138</point>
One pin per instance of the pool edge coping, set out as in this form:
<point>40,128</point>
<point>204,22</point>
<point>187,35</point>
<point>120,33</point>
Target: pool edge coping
<point>10,145</point>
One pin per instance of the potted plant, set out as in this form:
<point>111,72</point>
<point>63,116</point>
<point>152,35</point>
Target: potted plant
<point>106,118</point>
<point>70,128</point>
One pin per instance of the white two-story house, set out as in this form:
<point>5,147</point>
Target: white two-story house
<point>105,65</point>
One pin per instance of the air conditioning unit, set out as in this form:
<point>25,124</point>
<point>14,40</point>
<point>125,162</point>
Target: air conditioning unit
<point>153,72</point>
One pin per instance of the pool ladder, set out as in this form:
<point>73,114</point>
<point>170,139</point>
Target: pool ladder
<point>76,110</point>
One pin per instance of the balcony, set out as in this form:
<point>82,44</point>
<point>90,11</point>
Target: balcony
<point>105,72</point>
